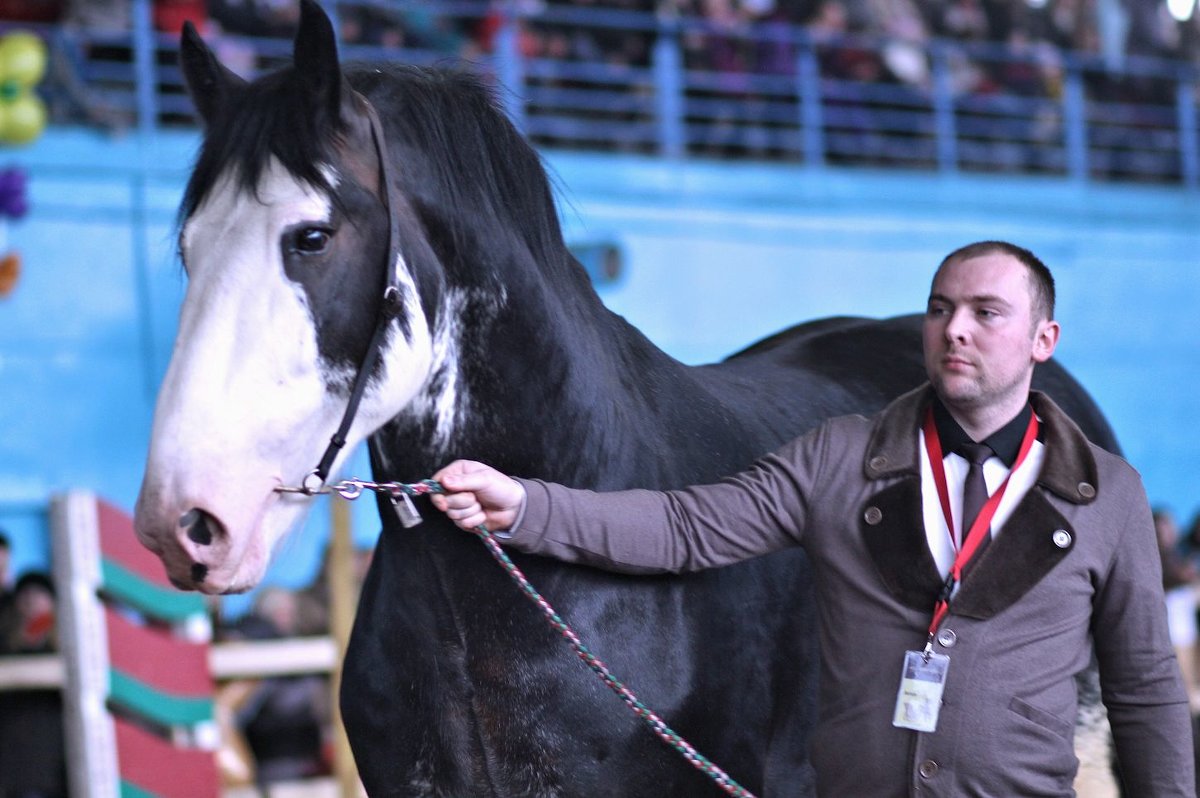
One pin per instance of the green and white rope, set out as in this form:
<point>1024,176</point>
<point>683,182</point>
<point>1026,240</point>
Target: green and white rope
<point>351,489</point>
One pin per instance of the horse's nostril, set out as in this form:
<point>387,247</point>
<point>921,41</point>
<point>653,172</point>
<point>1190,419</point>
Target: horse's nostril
<point>199,530</point>
<point>199,572</point>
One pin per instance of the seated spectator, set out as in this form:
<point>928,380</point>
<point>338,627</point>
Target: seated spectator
<point>1180,582</point>
<point>271,18</point>
<point>285,720</point>
<point>99,16</point>
<point>29,626</point>
<point>169,15</point>
<point>32,752</point>
<point>842,59</point>
<point>5,565</point>
<point>31,10</point>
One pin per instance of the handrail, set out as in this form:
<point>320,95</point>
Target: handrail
<point>243,659</point>
<point>804,97</point>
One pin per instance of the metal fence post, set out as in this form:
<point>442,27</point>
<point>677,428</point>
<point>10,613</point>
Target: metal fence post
<point>510,69</point>
<point>1185,109</point>
<point>145,75</point>
<point>945,128</point>
<point>812,117</point>
<point>1075,123</point>
<point>144,69</point>
<point>668,84</point>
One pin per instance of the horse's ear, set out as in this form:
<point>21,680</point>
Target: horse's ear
<point>208,81</point>
<point>315,57</point>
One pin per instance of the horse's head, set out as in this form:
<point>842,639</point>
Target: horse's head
<point>284,239</point>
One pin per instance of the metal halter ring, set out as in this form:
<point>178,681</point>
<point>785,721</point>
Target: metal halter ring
<point>306,484</point>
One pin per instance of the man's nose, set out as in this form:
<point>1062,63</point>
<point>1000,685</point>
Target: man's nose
<point>957,326</point>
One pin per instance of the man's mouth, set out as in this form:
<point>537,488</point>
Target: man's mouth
<point>955,362</point>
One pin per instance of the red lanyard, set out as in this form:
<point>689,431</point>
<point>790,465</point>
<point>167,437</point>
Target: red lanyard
<point>979,529</point>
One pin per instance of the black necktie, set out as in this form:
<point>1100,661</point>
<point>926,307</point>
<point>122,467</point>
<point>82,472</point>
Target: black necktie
<point>974,489</point>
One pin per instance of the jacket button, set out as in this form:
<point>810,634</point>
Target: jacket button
<point>947,638</point>
<point>878,463</point>
<point>1061,538</point>
<point>928,769</point>
<point>1087,490</point>
<point>873,515</point>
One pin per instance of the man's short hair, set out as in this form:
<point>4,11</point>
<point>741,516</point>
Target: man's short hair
<point>34,579</point>
<point>1040,279</point>
<point>5,543</point>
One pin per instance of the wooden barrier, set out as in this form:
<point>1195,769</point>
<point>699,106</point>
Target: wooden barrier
<point>138,690</point>
<point>138,671</point>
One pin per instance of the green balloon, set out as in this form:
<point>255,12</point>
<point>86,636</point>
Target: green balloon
<point>22,58</point>
<point>23,120</point>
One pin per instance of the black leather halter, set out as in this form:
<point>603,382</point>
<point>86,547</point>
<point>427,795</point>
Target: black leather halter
<point>389,308</point>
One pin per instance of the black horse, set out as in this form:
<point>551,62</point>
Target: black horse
<point>500,350</point>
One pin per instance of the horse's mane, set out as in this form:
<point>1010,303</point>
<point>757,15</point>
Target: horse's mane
<point>462,161</point>
<point>459,158</point>
<point>262,118</point>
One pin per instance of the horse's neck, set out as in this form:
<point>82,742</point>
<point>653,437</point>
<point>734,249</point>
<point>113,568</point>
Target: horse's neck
<point>574,395</point>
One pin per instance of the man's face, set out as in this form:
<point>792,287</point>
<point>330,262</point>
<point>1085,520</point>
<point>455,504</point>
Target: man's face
<point>981,340</point>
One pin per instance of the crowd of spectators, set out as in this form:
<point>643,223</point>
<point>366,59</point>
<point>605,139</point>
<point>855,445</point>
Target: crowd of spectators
<point>1004,62</point>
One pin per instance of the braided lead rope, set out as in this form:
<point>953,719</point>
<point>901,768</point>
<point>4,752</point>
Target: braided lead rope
<point>351,489</point>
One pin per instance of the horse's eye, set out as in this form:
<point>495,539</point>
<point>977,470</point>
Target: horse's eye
<point>311,240</point>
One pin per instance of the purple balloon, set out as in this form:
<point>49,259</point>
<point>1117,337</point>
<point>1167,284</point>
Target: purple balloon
<point>13,203</point>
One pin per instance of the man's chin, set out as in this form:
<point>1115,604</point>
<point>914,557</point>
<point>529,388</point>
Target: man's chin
<point>954,388</point>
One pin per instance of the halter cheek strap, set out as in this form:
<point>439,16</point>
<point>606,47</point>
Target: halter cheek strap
<point>389,308</point>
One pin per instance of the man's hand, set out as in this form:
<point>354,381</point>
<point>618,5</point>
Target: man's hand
<point>478,494</point>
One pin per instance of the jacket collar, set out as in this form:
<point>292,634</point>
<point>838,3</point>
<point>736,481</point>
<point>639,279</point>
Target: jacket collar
<point>1069,469</point>
<point>1037,536</point>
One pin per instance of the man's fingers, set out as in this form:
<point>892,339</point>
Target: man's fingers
<point>461,513</point>
<point>458,501</point>
<point>477,495</point>
<point>466,475</point>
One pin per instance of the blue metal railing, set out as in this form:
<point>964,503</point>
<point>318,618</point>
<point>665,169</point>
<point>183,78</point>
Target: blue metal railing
<point>587,78</point>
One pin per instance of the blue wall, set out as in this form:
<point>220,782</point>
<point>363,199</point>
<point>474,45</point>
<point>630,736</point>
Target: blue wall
<point>720,255</point>
<point>716,255</point>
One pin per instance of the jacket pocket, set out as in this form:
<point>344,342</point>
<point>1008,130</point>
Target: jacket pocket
<point>1042,718</point>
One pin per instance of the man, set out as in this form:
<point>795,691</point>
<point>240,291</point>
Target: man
<point>7,610</point>
<point>948,650</point>
<point>5,562</point>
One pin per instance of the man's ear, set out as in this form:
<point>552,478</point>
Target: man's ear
<point>1045,339</point>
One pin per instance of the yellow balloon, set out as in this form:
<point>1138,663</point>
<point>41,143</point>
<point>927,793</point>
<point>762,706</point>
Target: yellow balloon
<point>23,119</point>
<point>22,58</point>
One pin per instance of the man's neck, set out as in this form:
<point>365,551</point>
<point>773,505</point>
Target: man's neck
<point>982,423</point>
<point>1005,442</point>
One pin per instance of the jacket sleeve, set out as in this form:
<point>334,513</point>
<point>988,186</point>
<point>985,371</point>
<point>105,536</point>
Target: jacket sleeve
<point>755,512</point>
<point>1140,679</point>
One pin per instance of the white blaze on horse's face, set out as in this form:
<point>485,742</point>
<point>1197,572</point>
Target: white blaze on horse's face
<point>248,403</point>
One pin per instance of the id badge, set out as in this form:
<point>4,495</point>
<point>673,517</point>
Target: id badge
<point>921,686</point>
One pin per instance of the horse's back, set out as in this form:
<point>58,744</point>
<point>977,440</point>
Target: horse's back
<point>862,364</point>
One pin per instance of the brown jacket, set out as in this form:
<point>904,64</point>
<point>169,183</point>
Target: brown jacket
<point>1018,629</point>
